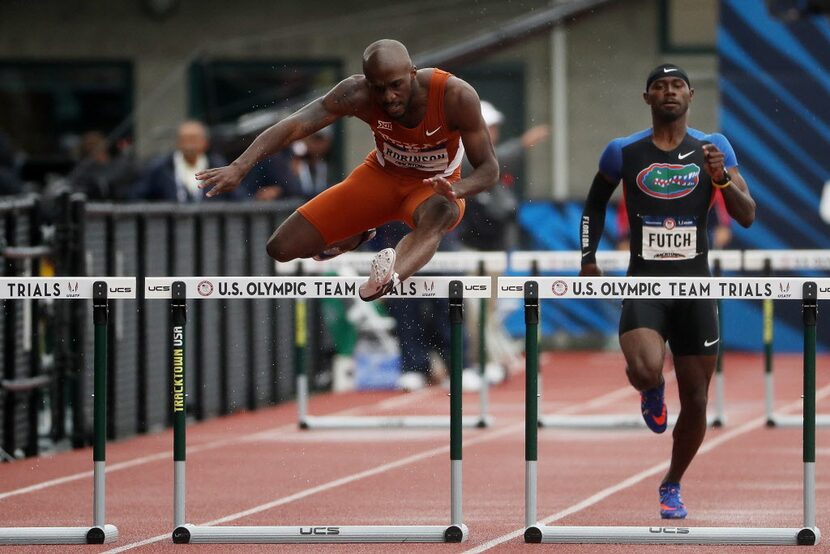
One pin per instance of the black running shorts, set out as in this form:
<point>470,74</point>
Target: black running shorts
<point>690,326</point>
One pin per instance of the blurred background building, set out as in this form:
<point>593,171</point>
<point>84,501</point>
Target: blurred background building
<point>135,69</point>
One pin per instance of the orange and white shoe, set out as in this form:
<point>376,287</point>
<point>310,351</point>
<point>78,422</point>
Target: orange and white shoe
<point>382,276</point>
<point>334,251</point>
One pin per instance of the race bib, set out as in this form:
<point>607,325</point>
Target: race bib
<point>669,238</point>
<point>434,160</point>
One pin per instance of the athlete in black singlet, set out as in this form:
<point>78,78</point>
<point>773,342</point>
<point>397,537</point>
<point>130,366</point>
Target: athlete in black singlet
<point>670,174</point>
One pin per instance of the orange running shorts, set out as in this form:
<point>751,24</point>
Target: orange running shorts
<point>368,198</point>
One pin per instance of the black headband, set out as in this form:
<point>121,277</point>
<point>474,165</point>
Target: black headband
<point>666,70</point>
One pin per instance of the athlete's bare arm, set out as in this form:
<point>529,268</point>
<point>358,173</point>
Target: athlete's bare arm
<point>739,202</point>
<point>463,109</point>
<point>349,97</point>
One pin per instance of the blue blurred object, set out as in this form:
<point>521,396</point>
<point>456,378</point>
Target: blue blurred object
<point>554,226</point>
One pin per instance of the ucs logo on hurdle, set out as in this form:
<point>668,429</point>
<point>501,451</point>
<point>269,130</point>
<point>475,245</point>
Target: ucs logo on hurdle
<point>669,530</point>
<point>319,530</point>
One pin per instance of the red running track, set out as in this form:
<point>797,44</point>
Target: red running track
<point>259,469</point>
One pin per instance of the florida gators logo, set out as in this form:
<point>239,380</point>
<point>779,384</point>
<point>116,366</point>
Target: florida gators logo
<point>668,181</point>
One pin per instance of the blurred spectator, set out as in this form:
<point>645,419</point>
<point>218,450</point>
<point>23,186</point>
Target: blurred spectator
<point>10,183</point>
<point>423,327</point>
<point>99,174</point>
<point>172,177</point>
<point>490,218</point>
<point>310,165</point>
<point>299,172</point>
<point>270,178</point>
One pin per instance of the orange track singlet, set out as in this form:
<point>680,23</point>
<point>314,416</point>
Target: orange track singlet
<point>388,185</point>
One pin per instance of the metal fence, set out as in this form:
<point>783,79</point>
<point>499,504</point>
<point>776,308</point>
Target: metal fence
<point>242,350</point>
<point>21,379</point>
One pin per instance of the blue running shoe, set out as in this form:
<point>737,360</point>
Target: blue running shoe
<point>671,505</point>
<point>653,406</point>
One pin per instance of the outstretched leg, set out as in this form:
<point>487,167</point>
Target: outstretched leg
<point>432,218</point>
<point>693,376</point>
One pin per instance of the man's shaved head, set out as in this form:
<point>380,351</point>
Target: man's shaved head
<point>391,76</point>
<point>386,54</point>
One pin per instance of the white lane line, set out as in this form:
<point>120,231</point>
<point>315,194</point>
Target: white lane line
<point>512,429</point>
<point>222,443</point>
<point>707,446</point>
<point>166,455</point>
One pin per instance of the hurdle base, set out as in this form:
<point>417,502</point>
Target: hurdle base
<point>389,422</point>
<point>776,420</point>
<point>203,534</point>
<point>772,536</point>
<point>58,535</point>
<point>610,421</point>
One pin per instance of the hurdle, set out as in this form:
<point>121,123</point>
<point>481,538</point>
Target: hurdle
<point>442,262</point>
<point>100,290</point>
<point>809,291</point>
<point>767,262</point>
<point>179,290</point>
<point>617,261</point>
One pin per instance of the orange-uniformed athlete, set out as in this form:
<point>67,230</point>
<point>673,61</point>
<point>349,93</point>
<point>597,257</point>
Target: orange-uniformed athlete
<point>423,120</point>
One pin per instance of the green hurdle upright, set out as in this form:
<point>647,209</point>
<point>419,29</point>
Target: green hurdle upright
<point>531,293</point>
<point>589,287</point>
<point>768,262</point>
<point>75,288</point>
<point>179,290</point>
<point>535,262</point>
<point>178,320</point>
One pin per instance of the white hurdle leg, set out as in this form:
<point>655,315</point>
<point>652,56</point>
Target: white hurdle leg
<point>808,534</point>
<point>456,531</point>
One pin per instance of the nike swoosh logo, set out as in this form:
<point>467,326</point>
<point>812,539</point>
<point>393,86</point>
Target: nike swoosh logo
<point>430,133</point>
<point>665,70</point>
<point>662,419</point>
<point>686,155</point>
<point>707,344</point>
<point>585,254</point>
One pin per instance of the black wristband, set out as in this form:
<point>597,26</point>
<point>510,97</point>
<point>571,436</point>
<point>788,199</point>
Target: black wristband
<point>726,179</point>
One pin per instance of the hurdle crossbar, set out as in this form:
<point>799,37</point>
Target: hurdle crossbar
<point>535,262</point>
<point>767,262</point>
<point>179,290</point>
<point>359,262</point>
<point>687,287</point>
<point>99,289</point>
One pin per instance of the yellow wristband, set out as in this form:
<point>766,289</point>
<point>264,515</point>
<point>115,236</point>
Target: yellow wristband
<point>723,186</point>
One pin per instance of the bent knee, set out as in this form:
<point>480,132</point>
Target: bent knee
<point>442,215</point>
<point>644,365</point>
<point>644,372</point>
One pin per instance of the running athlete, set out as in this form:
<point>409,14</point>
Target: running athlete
<point>670,174</point>
<point>423,120</point>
